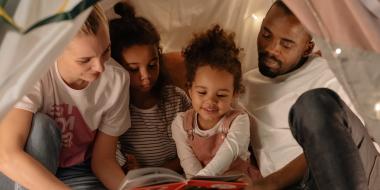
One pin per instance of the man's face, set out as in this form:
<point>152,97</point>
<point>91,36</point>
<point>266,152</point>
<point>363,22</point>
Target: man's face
<point>281,43</point>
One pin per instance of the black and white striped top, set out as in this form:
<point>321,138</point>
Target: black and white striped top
<point>149,139</point>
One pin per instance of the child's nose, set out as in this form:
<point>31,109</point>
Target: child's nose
<point>144,74</point>
<point>212,99</point>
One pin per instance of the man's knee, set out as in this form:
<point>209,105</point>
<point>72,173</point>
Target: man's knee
<point>319,98</point>
<point>314,111</point>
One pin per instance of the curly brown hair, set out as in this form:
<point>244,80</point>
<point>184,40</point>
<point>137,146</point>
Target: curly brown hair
<point>217,49</point>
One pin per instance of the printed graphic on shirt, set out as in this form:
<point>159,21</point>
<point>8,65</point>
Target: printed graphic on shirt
<point>76,136</point>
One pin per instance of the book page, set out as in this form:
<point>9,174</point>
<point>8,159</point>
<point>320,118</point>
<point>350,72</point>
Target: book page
<point>149,176</point>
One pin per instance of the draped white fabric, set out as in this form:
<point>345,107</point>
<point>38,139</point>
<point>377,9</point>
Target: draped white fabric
<point>348,34</point>
<point>26,57</point>
<point>177,20</point>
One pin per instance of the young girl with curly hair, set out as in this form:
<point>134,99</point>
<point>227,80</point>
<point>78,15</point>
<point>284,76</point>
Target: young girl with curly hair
<point>212,138</point>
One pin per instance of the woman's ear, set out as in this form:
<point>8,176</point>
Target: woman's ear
<point>309,48</point>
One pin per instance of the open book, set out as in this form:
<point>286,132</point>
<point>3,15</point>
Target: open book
<point>156,178</point>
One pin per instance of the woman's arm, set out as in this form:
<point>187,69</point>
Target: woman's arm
<point>14,161</point>
<point>104,163</point>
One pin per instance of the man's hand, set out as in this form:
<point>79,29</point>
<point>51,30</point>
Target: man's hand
<point>289,175</point>
<point>262,185</point>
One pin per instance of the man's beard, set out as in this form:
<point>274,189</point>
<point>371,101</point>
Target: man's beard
<point>264,69</point>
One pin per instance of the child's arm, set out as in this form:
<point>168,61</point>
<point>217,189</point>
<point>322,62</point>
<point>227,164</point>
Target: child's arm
<point>235,143</point>
<point>189,162</point>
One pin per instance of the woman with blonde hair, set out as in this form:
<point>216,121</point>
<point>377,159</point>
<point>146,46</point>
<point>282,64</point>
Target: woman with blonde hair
<point>64,127</point>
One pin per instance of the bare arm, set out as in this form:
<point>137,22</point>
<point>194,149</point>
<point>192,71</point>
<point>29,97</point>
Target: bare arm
<point>288,175</point>
<point>104,162</point>
<point>14,131</point>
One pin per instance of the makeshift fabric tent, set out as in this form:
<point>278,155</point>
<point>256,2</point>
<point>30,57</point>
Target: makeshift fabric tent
<point>352,54</point>
<point>32,35</point>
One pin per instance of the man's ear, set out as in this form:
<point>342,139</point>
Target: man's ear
<point>309,48</point>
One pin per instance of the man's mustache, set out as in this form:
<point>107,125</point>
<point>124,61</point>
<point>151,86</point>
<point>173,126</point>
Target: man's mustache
<point>263,56</point>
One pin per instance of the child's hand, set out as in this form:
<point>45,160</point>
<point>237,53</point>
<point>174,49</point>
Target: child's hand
<point>132,162</point>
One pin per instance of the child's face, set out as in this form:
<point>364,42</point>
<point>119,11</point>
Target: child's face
<point>142,62</point>
<point>212,93</point>
<point>82,61</point>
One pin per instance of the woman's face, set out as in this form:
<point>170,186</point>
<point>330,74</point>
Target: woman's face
<point>142,63</point>
<point>82,61</point>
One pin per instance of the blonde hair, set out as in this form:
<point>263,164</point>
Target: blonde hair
<point>96,18</point>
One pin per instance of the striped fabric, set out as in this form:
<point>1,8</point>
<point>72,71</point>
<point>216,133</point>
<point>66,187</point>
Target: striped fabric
<point>149,139</point>
<point>80,177</point>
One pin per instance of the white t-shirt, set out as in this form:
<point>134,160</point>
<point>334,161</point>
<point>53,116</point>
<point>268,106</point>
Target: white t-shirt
<point>103,105</point>
<point>270,100</point>
<point>234,145</point>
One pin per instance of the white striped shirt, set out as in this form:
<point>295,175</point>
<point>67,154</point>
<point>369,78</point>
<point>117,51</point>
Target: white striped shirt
<point>149,139</point>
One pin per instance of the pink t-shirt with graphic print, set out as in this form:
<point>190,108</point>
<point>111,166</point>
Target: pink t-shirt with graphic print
<point>103,105</point>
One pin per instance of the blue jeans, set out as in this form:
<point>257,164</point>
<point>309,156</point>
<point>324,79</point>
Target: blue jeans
<point>338,150</point>
<point>44,144</point>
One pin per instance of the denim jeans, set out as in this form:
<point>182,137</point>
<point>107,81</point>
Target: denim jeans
<point>338,150</point>
<point>44,144</point>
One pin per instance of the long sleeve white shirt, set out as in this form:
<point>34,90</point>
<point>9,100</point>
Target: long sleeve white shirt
<point>235,145</point>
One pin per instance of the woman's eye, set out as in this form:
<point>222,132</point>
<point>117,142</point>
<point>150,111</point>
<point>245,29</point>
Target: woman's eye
<point>84,61</point>
<point>201,92</point>
<point>106,54</point>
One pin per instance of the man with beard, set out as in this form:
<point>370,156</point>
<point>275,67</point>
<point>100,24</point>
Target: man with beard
<point>320,143</point>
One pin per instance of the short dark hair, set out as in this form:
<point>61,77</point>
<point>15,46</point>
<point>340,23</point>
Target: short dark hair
<point>217,49</point>
<point>282,6</point>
